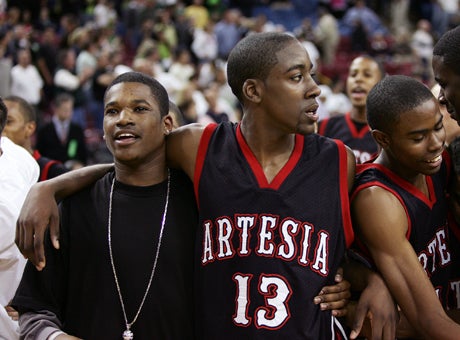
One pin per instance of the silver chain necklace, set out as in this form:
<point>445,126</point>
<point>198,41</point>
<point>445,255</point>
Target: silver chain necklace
<point>128,334</point>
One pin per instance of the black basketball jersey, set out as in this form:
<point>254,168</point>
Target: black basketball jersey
<point>428,230</point>
<point>355,135</point>
<point>266,249</point>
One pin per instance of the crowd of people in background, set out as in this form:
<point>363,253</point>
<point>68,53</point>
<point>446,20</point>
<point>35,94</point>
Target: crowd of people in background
<point>78,47</point>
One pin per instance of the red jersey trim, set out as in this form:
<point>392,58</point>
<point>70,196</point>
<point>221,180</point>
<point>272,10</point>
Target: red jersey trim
<point>257,168</point>
<point>36,155</point>
<point>354,132</point>
<point>200,157</point>
<point>409,187</point>
<point>344,197</point>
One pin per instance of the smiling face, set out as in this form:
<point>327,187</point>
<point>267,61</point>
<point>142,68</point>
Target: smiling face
<point>289,91</point>
<point>363,74</point>
<point>133,127</point>
<point>449,81</point>
<point>417,141</point>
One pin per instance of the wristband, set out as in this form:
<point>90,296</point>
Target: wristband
<point>55,335</point>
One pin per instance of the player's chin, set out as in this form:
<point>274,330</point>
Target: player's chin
<point>307,128</point>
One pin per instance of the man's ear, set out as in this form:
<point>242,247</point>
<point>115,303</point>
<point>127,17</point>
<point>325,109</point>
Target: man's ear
<point>168,124</point>
<point>30,128</point>
<point>252,90</point>
<point>381,138</point>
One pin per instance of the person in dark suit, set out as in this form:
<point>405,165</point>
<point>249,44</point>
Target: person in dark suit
<point>20,127</point>
<point>61,139</point>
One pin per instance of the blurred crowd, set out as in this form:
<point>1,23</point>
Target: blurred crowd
<point>51,47</point>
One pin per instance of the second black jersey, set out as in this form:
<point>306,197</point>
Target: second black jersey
<point>428,230</point>
<point>355,135</point>
<point>265,249</point>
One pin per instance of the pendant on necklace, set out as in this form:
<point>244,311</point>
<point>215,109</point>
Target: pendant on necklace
<point>128,335</point>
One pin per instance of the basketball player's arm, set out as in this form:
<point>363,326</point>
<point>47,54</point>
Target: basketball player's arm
<point>40,210</point>
<point>381,223</point>
<point>374,314</point>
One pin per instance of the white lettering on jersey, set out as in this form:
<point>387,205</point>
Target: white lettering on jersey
<point>284,240</point>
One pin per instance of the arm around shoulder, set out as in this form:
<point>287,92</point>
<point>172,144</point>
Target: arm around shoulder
<point>40,210</point>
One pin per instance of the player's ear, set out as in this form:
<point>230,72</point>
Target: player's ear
<point>381,138</point>
<point>252,90</point>
<point>168,124</point>
<point>30,128</point>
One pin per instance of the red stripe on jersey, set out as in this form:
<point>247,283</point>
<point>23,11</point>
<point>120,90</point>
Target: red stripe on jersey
<point>200,157</point>
<point>344,198</point>
<point>257,168</point>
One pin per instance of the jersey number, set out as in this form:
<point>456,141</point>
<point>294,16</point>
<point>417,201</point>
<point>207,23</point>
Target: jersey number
<point>276,292</point>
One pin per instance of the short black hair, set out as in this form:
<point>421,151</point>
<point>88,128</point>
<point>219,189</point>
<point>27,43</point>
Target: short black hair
<point>158,91</point>
<point>380,65</point>
<point>27,110</point>
<point>253,58</point>
<point>391,97</point>
<point>3,115</point>
<point>63,97</point>
<point>448,48</point>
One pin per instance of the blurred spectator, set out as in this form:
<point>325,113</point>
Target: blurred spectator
<point>379,47</point>
<point>47,63</point>
<point>218,109</point>
<point>204,44</point>
<point>359,37</point>
<point>422,44</point>
<point>165,36</point>
<point>61,139</point>
<point>197,13</point>
<point>67,24</point>
<point>323,112</point>
<point>6,63</point>
<point>305,30</point>
<point>67,81</point>
<point>361,15</point>
<point>228,32</point>
<point>261,24</point>
<point>104,13</point>
<point>399,17</point>
<point>337,101</point>
<point>184,29</point>
<point>327,35</point>
<point>26,81</point>
<point>182,67</point>
<point>176,114</point>
<point>102,77</point>
<point>20,128</point>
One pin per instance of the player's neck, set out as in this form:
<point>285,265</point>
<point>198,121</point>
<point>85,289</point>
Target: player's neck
<point>141,175</point>
<point>271,148</point>
<point>415,178</point>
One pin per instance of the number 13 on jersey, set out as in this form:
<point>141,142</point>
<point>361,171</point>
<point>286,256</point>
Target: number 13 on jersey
<point>276,292</point>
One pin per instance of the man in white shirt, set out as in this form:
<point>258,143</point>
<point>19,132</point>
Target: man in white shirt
<point>18,172</point>
<point>26,81</point>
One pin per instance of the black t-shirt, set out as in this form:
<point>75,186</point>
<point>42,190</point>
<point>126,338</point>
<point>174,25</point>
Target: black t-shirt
<point>78,283</point>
